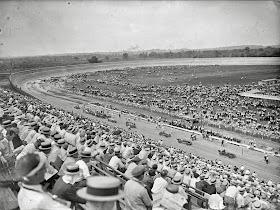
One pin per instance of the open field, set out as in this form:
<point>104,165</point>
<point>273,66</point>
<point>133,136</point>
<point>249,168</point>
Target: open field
<point>204,75</point>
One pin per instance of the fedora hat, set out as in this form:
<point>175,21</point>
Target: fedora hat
<point>177,180</point>
<point>101,189</point>
<point>72,169</point>
<point>85,154</point>
<point>72,151</point>
<point>45,146</point>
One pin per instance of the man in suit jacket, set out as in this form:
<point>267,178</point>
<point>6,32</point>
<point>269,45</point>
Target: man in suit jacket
<point>64,187</point>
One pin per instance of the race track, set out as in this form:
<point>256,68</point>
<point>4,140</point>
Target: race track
<point>204,148</point>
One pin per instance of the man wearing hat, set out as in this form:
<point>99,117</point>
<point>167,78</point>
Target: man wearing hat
<point>31,169</point>
<point>83,162</point>
<point>136,195</point>
<point>101,193</point>
<point>160,184</point>
<point>177,180</point>
<point>64,186</point>
<point>131,164</point>
<point>116,162</point>
<point>231,194</point>
<point>72,156</point>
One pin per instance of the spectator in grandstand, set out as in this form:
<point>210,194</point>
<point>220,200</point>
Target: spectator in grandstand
<point>136,195</point>
<point>160,184</point>
<point>64,187</point>
<point>231,195</point>
<point>115,162</point>
<point>31,168</point>
<point>101,193</point>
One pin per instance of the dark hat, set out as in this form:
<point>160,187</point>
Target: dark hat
<point>57,137</point>
<point>72,169</point>
<point>152,172</point>
<point>101,189</point>
<point>138,170</point>
<point>85,154</point>
<point>45,146</point>
<point>72,151</point>
<point>136,159</point>
<point>177,180</point>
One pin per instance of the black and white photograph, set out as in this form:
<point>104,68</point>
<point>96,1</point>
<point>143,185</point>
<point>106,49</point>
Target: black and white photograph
<point>139,105</point>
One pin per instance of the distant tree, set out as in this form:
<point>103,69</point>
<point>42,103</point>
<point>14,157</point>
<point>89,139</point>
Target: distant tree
<point>125,56</point>
<point>93,59</point>
<point>107,58</point>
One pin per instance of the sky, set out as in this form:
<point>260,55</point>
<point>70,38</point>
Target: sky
<point>29,28</point>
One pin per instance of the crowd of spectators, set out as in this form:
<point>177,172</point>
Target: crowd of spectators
<point>55,151</point>
<point>219,106</point>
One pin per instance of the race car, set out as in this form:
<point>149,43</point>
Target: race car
<point>112,120</point>
<point>227,154</point>
<point>184,141</point>
<point>162,133</point>
<point>130,124</point>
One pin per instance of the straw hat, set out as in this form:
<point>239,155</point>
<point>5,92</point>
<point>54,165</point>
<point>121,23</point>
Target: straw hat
<point>72,169</point>
<point>101,189</point>
<point>177,180</point>
<point>45,146</point>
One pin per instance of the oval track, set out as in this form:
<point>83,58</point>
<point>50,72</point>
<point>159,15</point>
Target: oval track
<point>251,159</point>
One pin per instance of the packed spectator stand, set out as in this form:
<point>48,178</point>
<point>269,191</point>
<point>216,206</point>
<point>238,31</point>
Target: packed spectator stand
<point>58,159</point>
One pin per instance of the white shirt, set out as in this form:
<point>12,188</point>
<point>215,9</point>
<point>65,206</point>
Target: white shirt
<point>215,201</point>
<point>232,192</point>
<point>84,168</point>
<point>115,163</point>
<point>34,198</point>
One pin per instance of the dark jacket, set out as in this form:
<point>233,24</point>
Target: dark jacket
<point>17,142</point>
<point>201,185</point>
<point>66,192</point>
<point>211,189</point>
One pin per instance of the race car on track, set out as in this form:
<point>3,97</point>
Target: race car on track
<point>112,120</point>
<point>130,124</point>
<point>184,141</point>
<point>227,154</point>
<point>162,133</point>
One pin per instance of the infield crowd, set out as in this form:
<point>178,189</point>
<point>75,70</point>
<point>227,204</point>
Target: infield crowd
<point>219,106</point>
<point>54,153</point>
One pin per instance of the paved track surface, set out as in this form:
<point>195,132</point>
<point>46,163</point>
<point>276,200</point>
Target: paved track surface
<point>251,159</point>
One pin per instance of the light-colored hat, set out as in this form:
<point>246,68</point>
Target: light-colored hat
<point>45,146</point>
<point>257,205</point>
<point>101,189</point>
<point>177,180</point>
<point>138,170</point>
<point>72,169</point>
